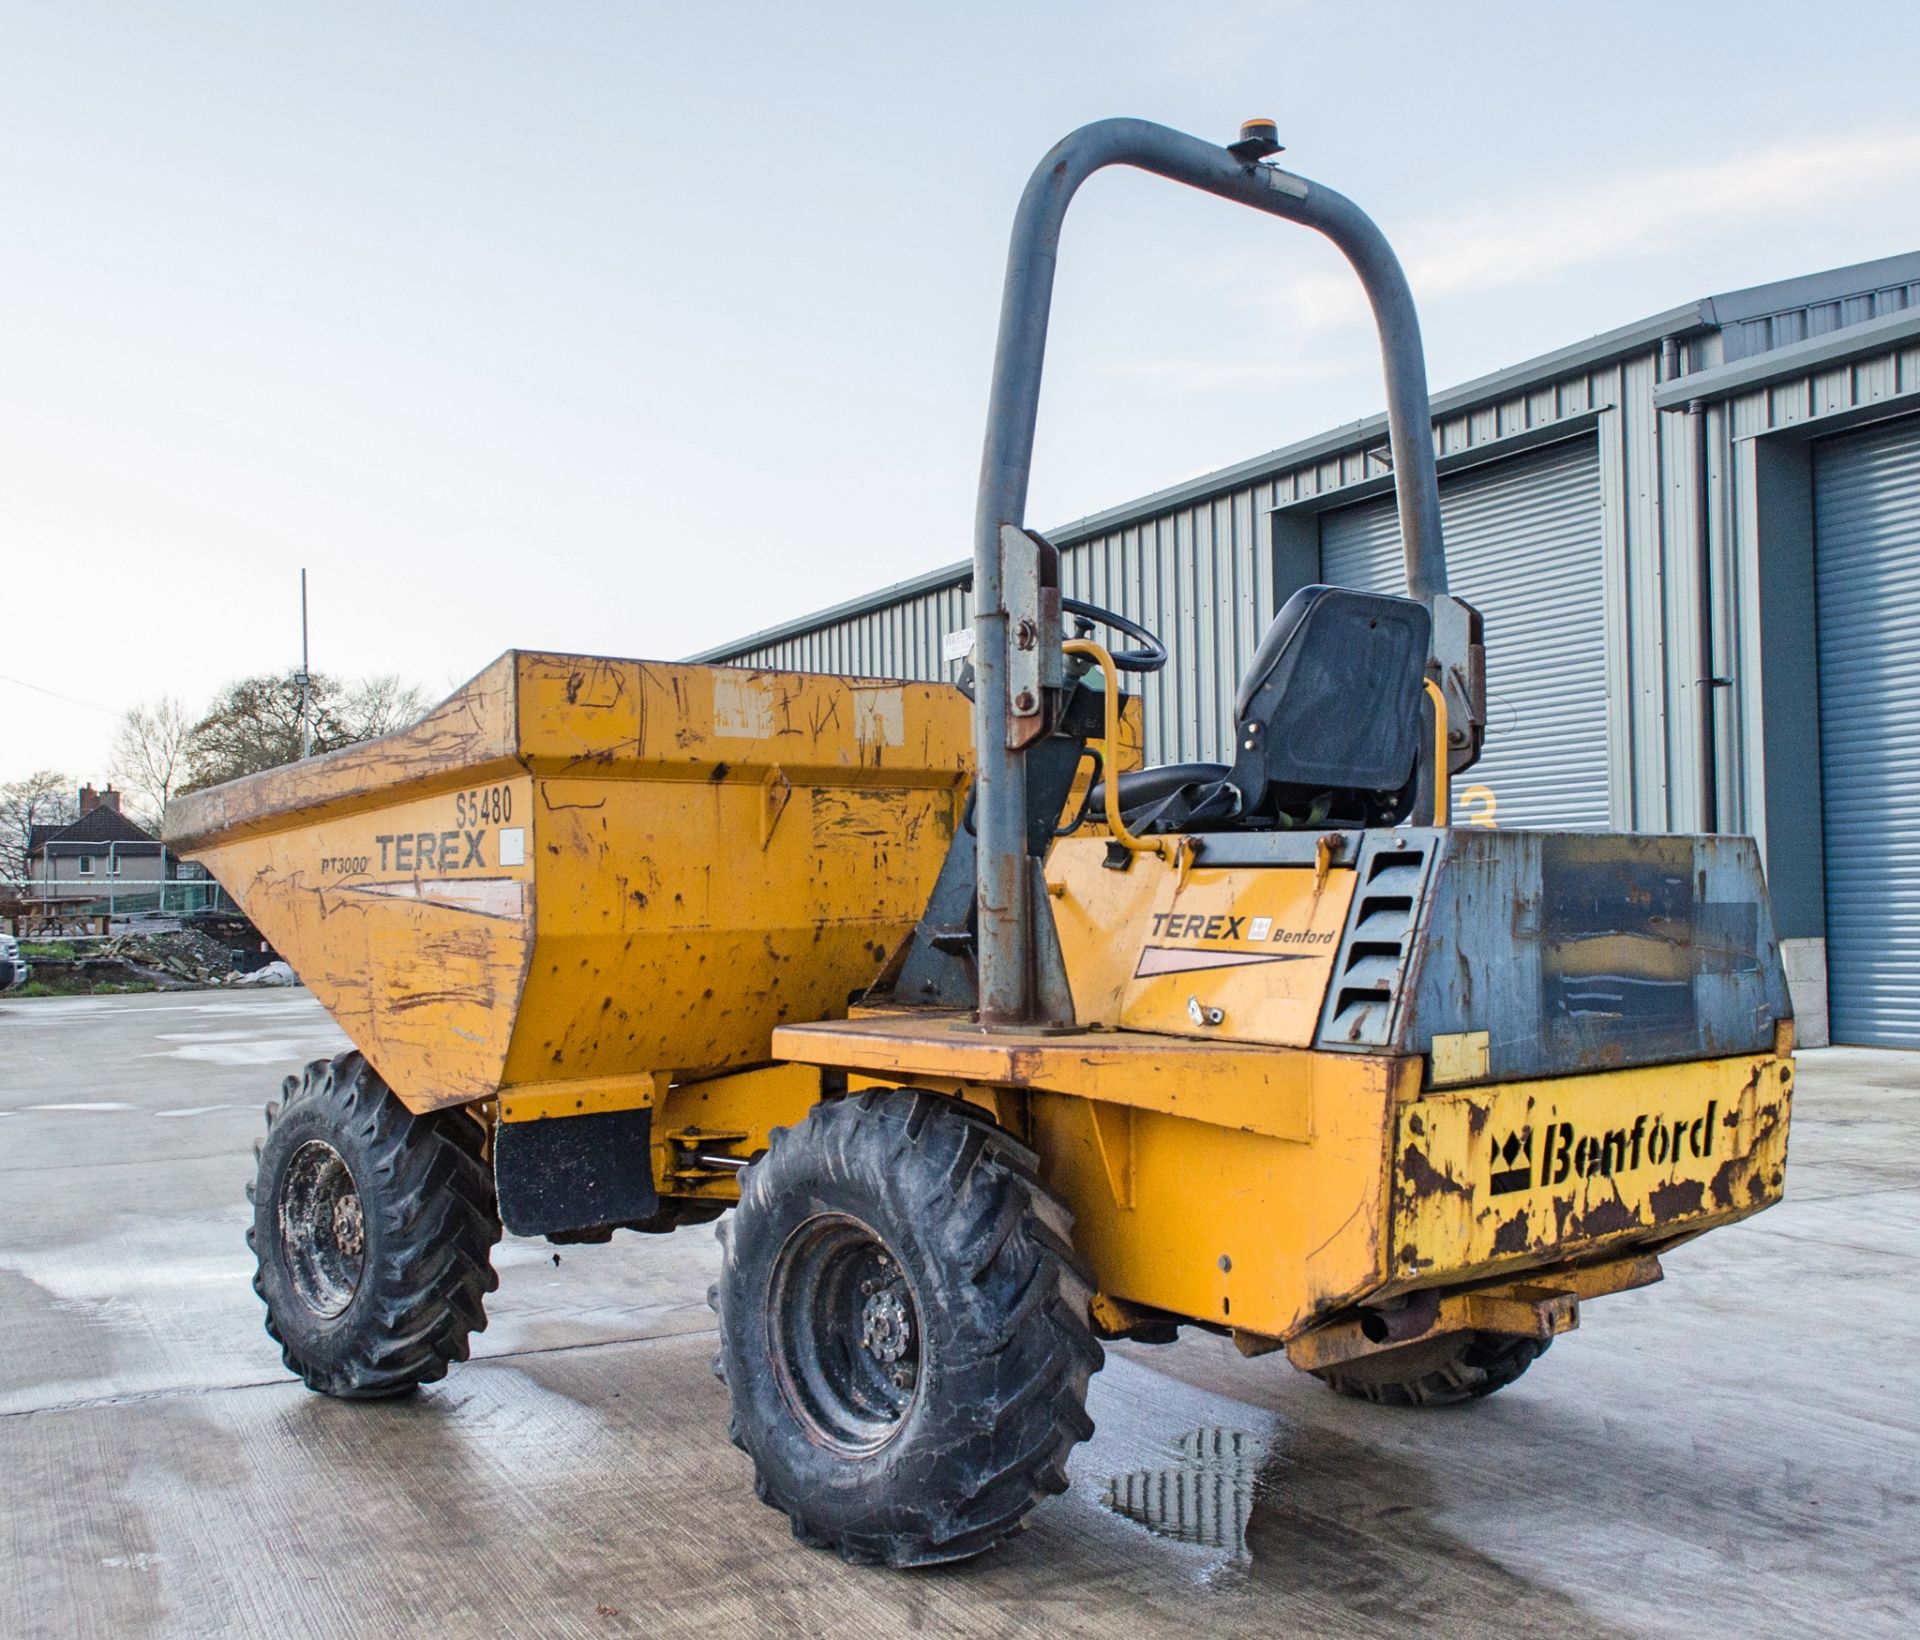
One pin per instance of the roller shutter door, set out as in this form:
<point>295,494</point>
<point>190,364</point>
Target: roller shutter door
<point>1524,546</point>
<point>1866,518</point>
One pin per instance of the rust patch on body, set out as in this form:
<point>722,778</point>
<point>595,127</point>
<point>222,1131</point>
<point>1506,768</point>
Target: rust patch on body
<point>1424,1178</point>
<point>1671,1201</point>
<point>1608,1218</point>
<point>1723,1181</point>
<point>1511,1237</point>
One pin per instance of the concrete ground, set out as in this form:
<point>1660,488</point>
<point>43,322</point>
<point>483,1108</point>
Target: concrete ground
<point>1737,1449</point>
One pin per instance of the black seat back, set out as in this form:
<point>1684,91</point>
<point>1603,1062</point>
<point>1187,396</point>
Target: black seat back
<point>1327,718</point>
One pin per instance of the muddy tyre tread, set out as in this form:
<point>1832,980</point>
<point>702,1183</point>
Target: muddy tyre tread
<point>427,1194</point>
<point>991,1438</point>
<point>1478,1364</point>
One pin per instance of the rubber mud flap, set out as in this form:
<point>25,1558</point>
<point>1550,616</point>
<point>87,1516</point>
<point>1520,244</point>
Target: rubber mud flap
<point>566,1173</point>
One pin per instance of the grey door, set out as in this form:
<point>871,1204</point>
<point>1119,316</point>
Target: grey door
<point>1866,519</point>
<point>1524,546</point>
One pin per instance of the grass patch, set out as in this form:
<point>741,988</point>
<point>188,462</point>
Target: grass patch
<point>77,987</point>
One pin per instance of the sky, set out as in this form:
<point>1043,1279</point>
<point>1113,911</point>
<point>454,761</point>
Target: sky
<point>631,328</point>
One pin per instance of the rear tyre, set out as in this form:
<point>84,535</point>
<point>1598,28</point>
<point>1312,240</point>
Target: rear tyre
<point>372,1233</point>
<point>903,1330</point>
<point>1440,1372</point>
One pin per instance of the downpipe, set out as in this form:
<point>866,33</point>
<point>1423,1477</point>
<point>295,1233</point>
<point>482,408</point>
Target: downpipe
<point>1705,718</point>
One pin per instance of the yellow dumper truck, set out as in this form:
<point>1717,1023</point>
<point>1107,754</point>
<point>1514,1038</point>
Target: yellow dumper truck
<point>995,1043</point>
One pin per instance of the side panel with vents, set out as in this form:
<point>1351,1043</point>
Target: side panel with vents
<point>1370,968</point>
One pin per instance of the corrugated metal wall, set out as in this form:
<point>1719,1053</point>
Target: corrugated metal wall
<point>1866,496</point>
<point>1202,578</point>
<point>1525,547</point>
<point>1763,332</point>
<point>1792,406</point>
<point>1203,575</point>
<point>1203,571</point>
<point>901,640</point>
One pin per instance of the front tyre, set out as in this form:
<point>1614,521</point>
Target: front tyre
<point>372,1231</point>
<point>903,1330</point>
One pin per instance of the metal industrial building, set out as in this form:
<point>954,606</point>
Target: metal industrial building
<point>1696,543</point>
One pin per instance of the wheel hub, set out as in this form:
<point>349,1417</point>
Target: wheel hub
<point>349,1226</point>
<point>322,1228</point>
<point>844,1334</point>
<point>886,1329</point>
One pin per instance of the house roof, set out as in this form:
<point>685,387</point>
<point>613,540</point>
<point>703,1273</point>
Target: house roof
<point>93,833</point>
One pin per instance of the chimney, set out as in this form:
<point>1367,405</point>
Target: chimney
<point>110,799</point>
<point>89,799</point>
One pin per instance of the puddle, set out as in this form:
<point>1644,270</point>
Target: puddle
<point>1205,1497</point>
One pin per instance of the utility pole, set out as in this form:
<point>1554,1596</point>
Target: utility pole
<point>304,678</point>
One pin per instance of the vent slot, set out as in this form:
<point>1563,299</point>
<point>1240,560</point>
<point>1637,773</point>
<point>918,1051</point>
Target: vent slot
<point>1373,905</point>
<point>1383,917</point>
<point>1395,860</point>
<point>1372,960</point>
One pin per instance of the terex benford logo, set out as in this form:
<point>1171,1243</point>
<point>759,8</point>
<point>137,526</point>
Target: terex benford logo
<point>1566,1151</point>
<point>1512,1166</point>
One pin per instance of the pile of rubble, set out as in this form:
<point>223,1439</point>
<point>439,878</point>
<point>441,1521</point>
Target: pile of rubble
<point>186,959</point>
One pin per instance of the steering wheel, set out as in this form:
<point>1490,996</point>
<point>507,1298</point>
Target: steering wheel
<point>1151,654</point>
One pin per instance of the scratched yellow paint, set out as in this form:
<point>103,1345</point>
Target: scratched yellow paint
<point>1265,1189</point>
<point>1236,1183</point>
<point>1239,1229</point>
<point>1494,1178</point>
<point>1249,1088</point>
<point>1143,946</point>
<point>578,868</point>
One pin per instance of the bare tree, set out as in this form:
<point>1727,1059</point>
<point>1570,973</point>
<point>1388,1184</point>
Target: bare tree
<point>254,723</point>
<point>378,706</point>
<point>44,798</point>
<point>150,755</point>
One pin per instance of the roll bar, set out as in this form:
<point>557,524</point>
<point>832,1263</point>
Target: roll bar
<point>1005,943</point>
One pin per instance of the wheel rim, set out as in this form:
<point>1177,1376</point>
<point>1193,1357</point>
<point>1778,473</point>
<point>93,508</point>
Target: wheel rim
<point>322,1228</point>
<point>845,1335</point>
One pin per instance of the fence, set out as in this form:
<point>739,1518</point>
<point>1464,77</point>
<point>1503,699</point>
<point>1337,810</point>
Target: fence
<point>115,895</point>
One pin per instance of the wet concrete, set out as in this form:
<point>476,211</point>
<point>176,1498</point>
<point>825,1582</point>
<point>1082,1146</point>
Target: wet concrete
<point>1738,1449</point>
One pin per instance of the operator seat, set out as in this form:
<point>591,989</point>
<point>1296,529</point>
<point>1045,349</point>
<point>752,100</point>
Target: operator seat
<point>1326,725</point>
